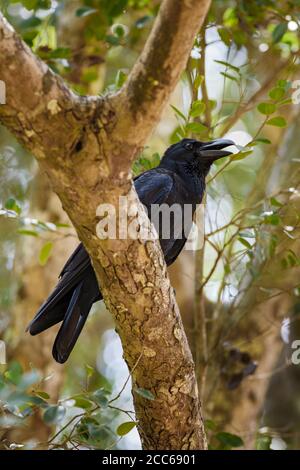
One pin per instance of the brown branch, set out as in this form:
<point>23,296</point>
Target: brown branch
<point>202,71</point>
<point>160,65</point>
<point>256,97</point>
<point>36,97</point>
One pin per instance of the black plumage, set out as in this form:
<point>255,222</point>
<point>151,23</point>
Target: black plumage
<point>179,179</point>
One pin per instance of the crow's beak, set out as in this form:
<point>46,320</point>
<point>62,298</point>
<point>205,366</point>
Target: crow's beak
<point>213,150</point>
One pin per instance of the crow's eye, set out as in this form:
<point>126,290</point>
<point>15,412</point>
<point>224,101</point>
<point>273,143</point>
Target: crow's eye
<point>189,146</point>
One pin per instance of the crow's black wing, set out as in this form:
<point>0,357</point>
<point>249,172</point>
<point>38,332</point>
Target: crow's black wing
<point>78,260</point>
<point>78,289</point>
<point>83,297</point>
<point>154,186</point>
<point>54,309</point>
<point>161,186</point>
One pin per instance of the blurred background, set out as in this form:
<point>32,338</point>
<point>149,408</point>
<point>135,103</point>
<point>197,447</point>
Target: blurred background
<point>238,295</point>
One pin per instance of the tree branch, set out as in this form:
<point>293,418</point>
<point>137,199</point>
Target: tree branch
<point>36,100</point>
<point>158,69</point>
<point>256,97</point>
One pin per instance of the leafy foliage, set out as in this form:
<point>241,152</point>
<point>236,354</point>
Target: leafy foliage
<point>86,419</point>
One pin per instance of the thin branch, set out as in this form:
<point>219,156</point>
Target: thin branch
<point>255,98</point>
<point>160,65</point>
<point>36,98</point>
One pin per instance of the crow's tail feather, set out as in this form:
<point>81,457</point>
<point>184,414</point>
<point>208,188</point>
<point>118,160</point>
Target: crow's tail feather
<point>49,314</point>
<point>75,318</point>
<point>70,302</point>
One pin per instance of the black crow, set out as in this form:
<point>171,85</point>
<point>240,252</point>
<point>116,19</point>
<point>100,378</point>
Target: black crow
<point>178,179</point>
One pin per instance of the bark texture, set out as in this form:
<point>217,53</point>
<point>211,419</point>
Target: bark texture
<point>86,146</point>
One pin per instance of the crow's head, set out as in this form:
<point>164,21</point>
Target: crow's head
<point>195,155</point>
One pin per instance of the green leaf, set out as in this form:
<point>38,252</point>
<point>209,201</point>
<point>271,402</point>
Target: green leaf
<point>239,37</point>
<point>30,4</point>
<point>177,135</point>
<point>45,253</point>
<point>113,40</point>
<point>277,93</point>
<point>14,373</point>
<point>266,108</point>
<point>197,108</point>
<point>262,140</point>
<point>230,17</point>
<point>125,428</point>
<point>275,202</point>
<point>54,414</point>
<point>98,433</point>
<point>100,397</point>
<point>24,231</point>
<point>277,121</point>
<point>37,401</point>
<point>60,53</point>
<point>119,30</point>
<point>229,76</point>
<point>247,234</point>
<point>155,159</point>
<point>225,36</point>
<point>228,65</point>
<point>279,32</point>
<point>228,439</point>
<point>227,268</point>
<point>145,393</point>
<point>293,258</point>
<point>89,75</point>
<point>89,371</point>
<point>178,112</point>
<point>61,225</point>
<point>32,22</point>
<point>42,394</point>
<point>245,243</point>
<point>121,78</point>
<point>271,219</point>
<point>283,84</point>
<point>263,442</point>
<point>82,402</point>
<point>195,127</point>
<point>85,11</point>
<point>49,226</point>
<point>12,205</point>
<point>198,81</point>
<point>240,155</point>
<point>210,425</point>
<point>115,8</point>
